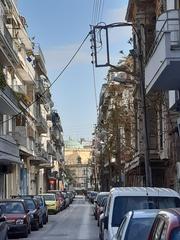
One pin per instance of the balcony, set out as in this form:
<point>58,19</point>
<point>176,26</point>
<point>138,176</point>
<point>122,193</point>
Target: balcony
<point>163,66</point>
<point>40,59</point>
<point>20,135</point>
<point>26,70</point>
<point>9,152</point>
<point>8,51</point>
<point>8,102</point>
<point>41,123</point>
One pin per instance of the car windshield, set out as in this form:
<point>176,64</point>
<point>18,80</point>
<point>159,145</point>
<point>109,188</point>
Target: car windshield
<point>39,200</point>
<point>50,197</point>
<point>30,204</point>
<point>12,207</point>
<point>122,205</point>
<point>139,228</point>
<point>175,235</point>
<point>100,198</point>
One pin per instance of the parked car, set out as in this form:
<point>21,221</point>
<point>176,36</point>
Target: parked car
<point>124,199</point>
<point>3,226</point>
<point>35,212</point>
<point>43,208</point>
<point>92,196</point>
<point>52,202</point>
<point>60,197</point>
<point>101,208</point>
<point>66,198</point>
<point>101,222</point>
<point>17,216</point>
<point>97,202</point>
<point>33,206</point>
<point>136,225</point>
<point>166,225</point>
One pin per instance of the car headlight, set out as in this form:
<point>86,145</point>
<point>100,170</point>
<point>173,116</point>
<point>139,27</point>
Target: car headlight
<point>20,221</point>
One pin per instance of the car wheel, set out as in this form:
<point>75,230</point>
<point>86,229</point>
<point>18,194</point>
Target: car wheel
<point>29,229</point>
<point>44,219</point>
<point>36,227</point>
<point>41,223</point>
<point>25,234</point>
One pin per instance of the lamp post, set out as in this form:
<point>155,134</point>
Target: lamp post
<point>148,176</point>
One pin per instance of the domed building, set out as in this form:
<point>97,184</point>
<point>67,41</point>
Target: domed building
<point>77,161</point>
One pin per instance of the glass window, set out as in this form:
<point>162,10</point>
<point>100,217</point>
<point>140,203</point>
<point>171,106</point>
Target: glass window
<point>30,204</point>
<point>175,235</point>
<point>122,205</point>
<point>50,197</point>
<point>139,228</point>
<point>12,207</point>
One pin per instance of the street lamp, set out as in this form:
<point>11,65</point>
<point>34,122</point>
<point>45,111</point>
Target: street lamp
<point>95,31</point>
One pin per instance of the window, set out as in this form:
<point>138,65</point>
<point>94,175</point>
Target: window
<point>177,4</point>
<point>175,234</point>
<point>124,204</point>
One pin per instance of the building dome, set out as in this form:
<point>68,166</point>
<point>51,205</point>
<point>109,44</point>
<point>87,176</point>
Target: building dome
<point>73,144</point>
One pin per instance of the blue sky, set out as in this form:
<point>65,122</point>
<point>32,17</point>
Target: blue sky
<point>59,26</point>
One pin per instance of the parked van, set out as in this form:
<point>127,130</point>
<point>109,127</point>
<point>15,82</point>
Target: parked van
<point>124,199</point>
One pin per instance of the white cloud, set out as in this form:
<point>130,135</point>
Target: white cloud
<point>59,56</point>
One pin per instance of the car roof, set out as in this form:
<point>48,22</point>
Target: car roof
<point>103,193</point>
<point>42,194</point>
<point>144,213</point>
<point>12,200</point>
<point>144,191</point>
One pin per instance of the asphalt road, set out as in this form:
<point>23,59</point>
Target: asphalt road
<point>74,223</point>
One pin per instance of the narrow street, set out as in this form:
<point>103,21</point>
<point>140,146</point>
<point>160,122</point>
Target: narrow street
<point>73,223</point>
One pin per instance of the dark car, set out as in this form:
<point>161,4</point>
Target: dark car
<point>3,226</point>
<point>17,216</point>
<point>97,202</point>
<point>35,212</point>
<point>33,206</point>
<point>166,225</point>
<point>43,207</point>
<point>66,199</point>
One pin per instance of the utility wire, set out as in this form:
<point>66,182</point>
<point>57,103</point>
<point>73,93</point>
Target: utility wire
<point>61,72</point>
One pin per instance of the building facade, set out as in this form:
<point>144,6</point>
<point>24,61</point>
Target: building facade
<point>78,165</point>
<point>26,155</point>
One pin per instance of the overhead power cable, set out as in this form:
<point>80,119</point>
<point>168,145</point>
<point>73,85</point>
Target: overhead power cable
<point>61,72</point>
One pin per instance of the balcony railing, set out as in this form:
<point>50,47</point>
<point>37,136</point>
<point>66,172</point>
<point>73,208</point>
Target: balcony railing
<point>38,51</point>
<point>19,88</point>
<point>162,70</point>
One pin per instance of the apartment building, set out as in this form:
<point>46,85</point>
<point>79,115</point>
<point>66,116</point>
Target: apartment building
<point>25,104</point>
<point>157,23</point>
<point>113,141</point>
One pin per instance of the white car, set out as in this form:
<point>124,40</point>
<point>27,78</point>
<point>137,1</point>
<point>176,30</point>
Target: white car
<point>124,199</point>
<point>136,225</point>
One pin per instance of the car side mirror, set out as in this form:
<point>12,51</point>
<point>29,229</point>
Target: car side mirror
<point>2,219</point>
<point>105,220</point>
